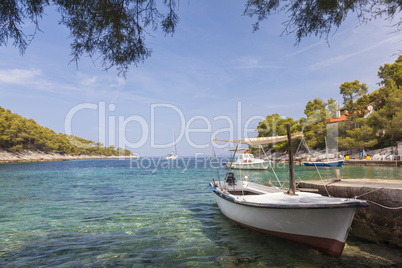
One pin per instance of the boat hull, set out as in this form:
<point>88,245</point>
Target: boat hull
<point>325,229</point>
<point>324,164</point>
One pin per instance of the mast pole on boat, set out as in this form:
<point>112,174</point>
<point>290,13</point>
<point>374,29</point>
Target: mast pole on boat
<point>175,150</point>
<point>217,168</point>
<point>292,185</point>
<point>234,154</point>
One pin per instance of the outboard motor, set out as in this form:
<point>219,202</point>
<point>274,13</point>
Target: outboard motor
<point>230,179</point>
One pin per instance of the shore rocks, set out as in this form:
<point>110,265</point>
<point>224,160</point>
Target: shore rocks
<point>39,156</point>
<point>384,154</point>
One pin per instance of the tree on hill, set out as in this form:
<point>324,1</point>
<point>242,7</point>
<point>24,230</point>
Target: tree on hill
<point>351,91</point>
<point>315,108</point>
<point>332,107</point>
<point>275,125</point>
<point>380,129</point>
<point>391,72</point>
<point>358,137</point>
<point>318,113</point>
<point>387,120</point>
<point>115,30</point>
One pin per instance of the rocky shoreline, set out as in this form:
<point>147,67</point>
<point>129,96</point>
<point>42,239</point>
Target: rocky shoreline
<point>39,156</point>
<point>379,155</point>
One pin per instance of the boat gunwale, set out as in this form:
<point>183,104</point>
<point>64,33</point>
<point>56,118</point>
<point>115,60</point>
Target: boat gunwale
<point>352,204</point>
<point>335,163</point>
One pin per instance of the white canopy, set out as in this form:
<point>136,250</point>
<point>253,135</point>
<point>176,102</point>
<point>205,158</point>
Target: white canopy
<point>263,140</point>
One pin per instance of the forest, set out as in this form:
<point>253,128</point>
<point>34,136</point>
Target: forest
<point>18,133</point>
<point>368,120</point>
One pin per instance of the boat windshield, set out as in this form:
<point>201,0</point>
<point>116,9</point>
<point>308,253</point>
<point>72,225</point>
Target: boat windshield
<point>245,157</point>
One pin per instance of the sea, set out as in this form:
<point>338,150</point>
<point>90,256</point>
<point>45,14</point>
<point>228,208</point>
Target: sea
<point>151,212</point>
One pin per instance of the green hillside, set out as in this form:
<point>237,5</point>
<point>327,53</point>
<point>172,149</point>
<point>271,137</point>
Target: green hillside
<point>18,133</point>
<point>357,128</point>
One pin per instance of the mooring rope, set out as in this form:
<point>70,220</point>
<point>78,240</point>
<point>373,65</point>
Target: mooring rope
<point>357,196</point>
<point>392,208</point>
<point>325,185</point>
<point>273,170</point>
<point>303,141</point>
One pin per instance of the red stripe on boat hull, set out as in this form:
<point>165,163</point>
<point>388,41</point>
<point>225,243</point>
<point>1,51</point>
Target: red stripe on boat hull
<point>329,246</point>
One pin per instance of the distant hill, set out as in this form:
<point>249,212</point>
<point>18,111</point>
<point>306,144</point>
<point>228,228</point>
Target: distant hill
<point>18,133</point>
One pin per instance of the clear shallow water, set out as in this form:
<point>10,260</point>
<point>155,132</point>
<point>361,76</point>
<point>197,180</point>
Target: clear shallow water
<point>147,213</point>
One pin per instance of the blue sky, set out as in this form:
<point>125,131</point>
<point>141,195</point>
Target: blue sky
<point>213,78</point>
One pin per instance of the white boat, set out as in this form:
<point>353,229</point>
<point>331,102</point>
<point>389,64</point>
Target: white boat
<point>173,155</point>
<point>334,163</point>
<point>327,163</point>
<point>317,221</point>
<point>247,161</point>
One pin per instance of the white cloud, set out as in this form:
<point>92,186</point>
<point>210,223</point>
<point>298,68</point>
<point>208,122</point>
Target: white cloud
<point>27,79</point>
<point>334,60</point>
<point>88,81</point>
<point>94,81</point>
<point>118,82</point>
<point>19,76</point>
<point>110,88</point>
<point>251,62</point>
<point>36,79</point>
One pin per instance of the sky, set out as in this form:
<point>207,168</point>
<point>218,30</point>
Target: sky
<point>214,78</point>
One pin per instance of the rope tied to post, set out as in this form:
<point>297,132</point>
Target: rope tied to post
<point>391,208</point>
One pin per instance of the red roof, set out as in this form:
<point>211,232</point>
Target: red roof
<point>340,119</point>
<point>344,117</point>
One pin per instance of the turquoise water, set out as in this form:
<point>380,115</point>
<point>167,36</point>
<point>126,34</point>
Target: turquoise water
<point>147,213</point>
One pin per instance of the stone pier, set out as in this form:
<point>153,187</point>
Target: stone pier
<point>382,221</point>
<point>385,163</point>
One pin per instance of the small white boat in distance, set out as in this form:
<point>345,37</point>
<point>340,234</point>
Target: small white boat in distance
<point>173,155</point>
<point>247,161</point>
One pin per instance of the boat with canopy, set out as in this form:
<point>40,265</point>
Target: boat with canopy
<point>311,219</point>
<point>247,160</point>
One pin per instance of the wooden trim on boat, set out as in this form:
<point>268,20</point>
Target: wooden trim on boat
<point>329,246</point>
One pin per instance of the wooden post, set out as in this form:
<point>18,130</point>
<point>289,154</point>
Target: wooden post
<point>292,185</point>
<point>337,176</point>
